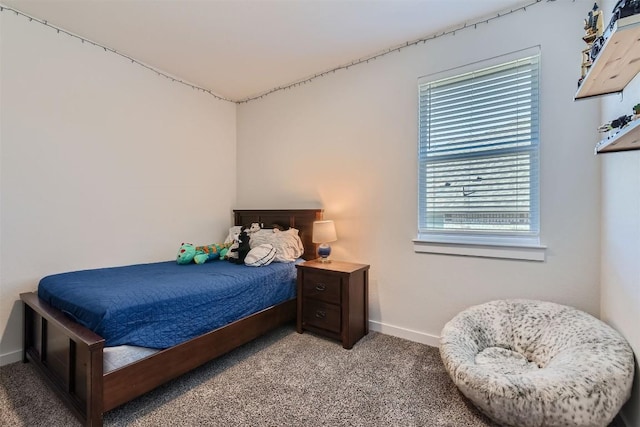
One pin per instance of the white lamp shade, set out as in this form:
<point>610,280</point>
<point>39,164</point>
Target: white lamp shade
<point>324,232</point>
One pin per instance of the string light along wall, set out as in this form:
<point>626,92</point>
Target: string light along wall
<point>7,9</point>
<point>363,60</point>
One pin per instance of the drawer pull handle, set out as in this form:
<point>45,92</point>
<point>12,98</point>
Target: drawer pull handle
<point>321,314</point>
<point>321,287</point>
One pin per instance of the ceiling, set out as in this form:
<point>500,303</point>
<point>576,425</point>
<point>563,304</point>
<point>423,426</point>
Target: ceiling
<point>242,48</point>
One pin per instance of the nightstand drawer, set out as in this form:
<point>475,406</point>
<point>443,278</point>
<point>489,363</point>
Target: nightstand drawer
<point>322,286</point>
<point>322,315</point>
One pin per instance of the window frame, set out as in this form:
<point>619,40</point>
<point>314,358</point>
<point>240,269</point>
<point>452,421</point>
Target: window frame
<point>524,245</point>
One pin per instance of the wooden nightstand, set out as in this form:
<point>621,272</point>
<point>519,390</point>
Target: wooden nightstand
<point>333,300</point>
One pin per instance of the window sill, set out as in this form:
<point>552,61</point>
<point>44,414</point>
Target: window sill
<point>526,252</point>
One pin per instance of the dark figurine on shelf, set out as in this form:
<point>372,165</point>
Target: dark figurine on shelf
<point>593,24</point>
<point>596,47</point>
<point>618,123</point>
<point>622,9</point>
<point>621,121</point>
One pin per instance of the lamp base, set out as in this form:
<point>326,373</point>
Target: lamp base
<point>324,250</point>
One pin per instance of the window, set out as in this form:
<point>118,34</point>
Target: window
<point>478,154</point>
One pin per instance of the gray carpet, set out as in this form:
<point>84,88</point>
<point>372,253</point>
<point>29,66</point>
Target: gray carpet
<point>282,379</point>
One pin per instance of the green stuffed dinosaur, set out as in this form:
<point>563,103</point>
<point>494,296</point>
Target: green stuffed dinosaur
<point>200,254</point>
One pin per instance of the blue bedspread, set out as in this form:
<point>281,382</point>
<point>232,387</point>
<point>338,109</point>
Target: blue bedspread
<point>162,304</point>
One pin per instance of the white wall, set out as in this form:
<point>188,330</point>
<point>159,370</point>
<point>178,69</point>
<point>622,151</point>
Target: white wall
<point>348,143</point>
<point>620,277</point>
<point>102,163</point>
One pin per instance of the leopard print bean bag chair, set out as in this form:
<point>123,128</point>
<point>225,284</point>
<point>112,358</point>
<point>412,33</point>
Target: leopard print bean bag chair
<point>533,363</point>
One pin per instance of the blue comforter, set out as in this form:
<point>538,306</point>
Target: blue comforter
<point>162,304</point>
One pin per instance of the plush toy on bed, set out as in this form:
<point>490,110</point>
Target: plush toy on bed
<point>223,251</point>
<point>254,227</point>
<point>238,253</point>
<point>232,251</point>
<point>199,254</point>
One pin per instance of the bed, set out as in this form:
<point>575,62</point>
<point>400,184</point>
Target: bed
<point>72,357</point>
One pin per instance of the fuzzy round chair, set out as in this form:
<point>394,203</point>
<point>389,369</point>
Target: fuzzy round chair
<point>532,363</point>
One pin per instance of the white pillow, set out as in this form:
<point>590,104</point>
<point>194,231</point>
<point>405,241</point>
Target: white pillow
<point>260,255</point>
<point>287,243</point>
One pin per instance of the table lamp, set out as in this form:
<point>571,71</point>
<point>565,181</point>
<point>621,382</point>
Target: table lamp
<point>323,233</point>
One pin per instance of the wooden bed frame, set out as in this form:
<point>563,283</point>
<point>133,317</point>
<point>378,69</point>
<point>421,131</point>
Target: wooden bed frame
<point>70,356</point>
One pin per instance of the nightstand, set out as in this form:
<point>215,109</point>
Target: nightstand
<point>333,300</point>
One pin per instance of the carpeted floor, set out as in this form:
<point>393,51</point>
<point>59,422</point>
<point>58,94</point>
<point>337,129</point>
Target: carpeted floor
<point>282,379</point>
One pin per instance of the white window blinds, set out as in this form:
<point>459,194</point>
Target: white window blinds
<point>478,151</point>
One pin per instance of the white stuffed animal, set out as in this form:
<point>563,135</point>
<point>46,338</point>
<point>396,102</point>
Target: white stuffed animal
<point>233,249</point>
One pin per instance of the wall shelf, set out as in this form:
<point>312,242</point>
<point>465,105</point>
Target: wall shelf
<point>627,139</point>
<point>618,61</point>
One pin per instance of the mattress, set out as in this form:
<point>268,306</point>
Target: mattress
<point>159,305</point>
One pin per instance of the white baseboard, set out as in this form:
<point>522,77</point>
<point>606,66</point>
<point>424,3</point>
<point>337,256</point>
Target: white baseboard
<point>8,358</point>
<point>408,334</point>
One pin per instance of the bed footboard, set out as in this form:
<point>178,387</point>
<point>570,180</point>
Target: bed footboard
<point>68,355</point>
<point>135,379</point>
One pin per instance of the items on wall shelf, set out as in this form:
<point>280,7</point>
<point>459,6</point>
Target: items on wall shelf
<point>628,138</point>
<point>618,60</point>
<point>609,63</point>
<point>593,32</point>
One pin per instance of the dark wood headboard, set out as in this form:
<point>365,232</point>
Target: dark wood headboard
<point>300,219</point>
